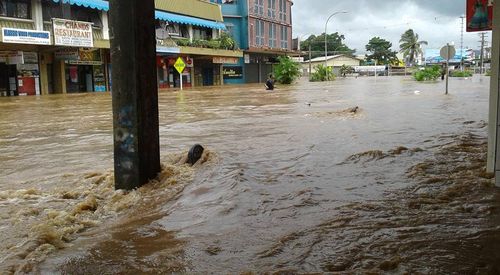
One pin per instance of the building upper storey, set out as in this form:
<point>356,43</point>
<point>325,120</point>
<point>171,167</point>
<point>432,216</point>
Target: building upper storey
<point>189,19</point>
<point>259,25</point>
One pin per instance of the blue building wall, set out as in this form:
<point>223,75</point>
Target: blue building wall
<point>236,19</point>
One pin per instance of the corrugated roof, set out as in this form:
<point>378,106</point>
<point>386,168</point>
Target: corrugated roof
<point>195,8</point>
<point>182,19</point>
<point>322,58</point>
<point>93,4</point>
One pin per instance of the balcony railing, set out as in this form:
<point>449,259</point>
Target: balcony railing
<point>8,22</point>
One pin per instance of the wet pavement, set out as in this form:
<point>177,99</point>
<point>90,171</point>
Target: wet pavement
<point>294,180</point>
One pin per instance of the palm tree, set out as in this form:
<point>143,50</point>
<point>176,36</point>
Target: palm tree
<point>410,46</point>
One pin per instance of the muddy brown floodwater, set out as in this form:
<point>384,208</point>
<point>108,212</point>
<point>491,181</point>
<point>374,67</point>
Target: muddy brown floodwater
<point>293,181</point>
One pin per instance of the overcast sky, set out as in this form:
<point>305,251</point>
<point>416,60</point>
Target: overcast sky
<point>435,21</point>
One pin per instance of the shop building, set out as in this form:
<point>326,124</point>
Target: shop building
<point>62,46</point>
<point>263,30</point>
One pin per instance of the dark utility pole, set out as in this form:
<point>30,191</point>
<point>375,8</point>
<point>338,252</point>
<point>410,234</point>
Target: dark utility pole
<point>134,92</point>
<point>481,68</point>
<point>310,57</point>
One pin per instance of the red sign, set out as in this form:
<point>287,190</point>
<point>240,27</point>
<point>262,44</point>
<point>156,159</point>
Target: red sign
<point>479,15</point>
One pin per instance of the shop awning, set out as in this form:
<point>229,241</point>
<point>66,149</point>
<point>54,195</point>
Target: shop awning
<point>161,15</point>
<point>182,19</point>
<point>93,4</point>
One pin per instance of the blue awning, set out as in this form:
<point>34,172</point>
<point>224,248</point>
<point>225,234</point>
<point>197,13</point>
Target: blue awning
<point>161,15</point>
<point>93,4</point>
<point>182,19</point>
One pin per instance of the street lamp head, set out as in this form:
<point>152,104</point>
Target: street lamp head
<point>326,35</point>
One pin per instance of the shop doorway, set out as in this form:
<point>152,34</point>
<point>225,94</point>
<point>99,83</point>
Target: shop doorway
<point>79,78</point>
<point>50,78</point>
<point>208,76</point>
<point>8,80</point>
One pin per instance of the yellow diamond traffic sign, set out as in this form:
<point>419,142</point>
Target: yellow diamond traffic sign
<point>180,65</point>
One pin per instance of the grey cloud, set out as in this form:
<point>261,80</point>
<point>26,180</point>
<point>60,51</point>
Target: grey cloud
<point>436,21</point>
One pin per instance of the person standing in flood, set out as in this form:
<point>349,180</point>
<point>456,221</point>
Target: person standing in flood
<point>270,83</point>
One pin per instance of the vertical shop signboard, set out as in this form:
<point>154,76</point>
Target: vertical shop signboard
<point>479,15</point>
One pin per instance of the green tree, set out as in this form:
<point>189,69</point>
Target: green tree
<point>287,70</point>
<point>380,50</point>
<point>335,45</point>
<point>322,73</point>
<point>410,46</point>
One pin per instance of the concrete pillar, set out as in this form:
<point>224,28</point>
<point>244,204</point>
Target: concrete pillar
<point>221,75</point>
<point>191,33</point>
<point>37,15</point>
<point>493,123</point>
<point>135,93</point>
<point>59,76</point>
<point>105,25</point>
<point>44,81</point>
<point>215,34</point>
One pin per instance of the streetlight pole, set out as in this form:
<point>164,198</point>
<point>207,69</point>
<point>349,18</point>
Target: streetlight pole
<point>326,36</point>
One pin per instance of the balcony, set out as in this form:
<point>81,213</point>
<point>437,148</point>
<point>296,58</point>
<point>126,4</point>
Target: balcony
<point>9,22</point>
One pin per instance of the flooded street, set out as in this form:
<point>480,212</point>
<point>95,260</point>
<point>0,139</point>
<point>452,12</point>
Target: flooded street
<point>293,180</point>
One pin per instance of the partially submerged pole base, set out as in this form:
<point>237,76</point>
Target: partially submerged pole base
<point>135,94</point>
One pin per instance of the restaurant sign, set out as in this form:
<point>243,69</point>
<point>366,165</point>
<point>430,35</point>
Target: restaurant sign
<point>22,36</point>
<point>72,33</point>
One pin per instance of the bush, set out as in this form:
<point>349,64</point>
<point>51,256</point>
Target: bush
<point>213,44</point>
<point>345,70</point>
<point>488,72</point>
<point>322,73</point>
<point>182,42</point>
<point>227,42</point>
<point>428,73</point>
<point>287,70</point>
<point>461,74</point>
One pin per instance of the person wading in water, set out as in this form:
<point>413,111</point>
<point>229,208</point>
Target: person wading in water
<point>270,83</point>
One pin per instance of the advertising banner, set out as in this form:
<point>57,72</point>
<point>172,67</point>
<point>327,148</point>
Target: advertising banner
<point>21,36</point>
<point>72,33</point>
<point>232,72</point>
<point>12,57</point>
<point>479,15</point>
<point>225,60</point>
<point>67,54</point>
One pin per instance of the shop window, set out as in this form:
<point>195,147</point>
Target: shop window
<point>86,15</point>
<point>259,7</point>
<point>259,33</point>
<point>284,37</point>
<point>51,10</point>
<point>202,33</point>
<point>271,8</point>
<point>173,29</point>
<point>16,8</point>
<point>283,9</point>
<point>272,35</point>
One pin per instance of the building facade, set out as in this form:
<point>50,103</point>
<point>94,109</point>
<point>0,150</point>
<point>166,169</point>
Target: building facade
<point>263,30</point>
<point>62,46</point>
<point>333,61</point>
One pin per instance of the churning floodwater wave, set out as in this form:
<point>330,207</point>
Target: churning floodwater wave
<point>352,176</point>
